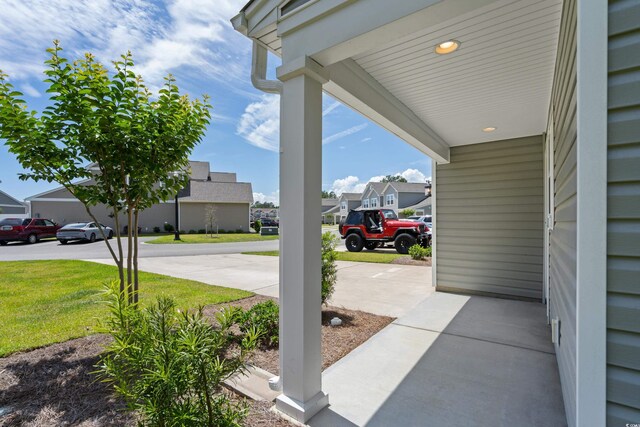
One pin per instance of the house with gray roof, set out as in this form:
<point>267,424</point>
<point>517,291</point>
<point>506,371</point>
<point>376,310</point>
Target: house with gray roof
<point>207,191</point>
<point>10,206</point>
<point>347,202</point>
<point>372,195</point>
<point>407,195</point>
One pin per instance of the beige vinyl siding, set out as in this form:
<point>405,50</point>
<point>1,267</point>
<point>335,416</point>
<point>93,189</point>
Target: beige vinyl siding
<point>73,211</point>
<point>562,239</point>
<point>9,210</point>
<point>489,218</point>
<point>623,212</point>
<point>229,216</point>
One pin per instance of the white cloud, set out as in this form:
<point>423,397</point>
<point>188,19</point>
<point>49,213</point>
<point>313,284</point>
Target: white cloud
<point>413,175</point>
<point>273,197</point>
<point>162,36</point>
<point>353,184</point>
<point>260,123</point>
<point>365,139</point>
<point>330,108</point>
<point>343,133</point>
<point>27,89</point>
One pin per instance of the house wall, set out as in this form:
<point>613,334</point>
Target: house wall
<point>8,210</point>
<point>72,211</point>
<point>409,199</point>
<point>489,216</point>
<point>562,239</point>
<point>394,205</point>
<point>623,211</point>
<point>229,216</point>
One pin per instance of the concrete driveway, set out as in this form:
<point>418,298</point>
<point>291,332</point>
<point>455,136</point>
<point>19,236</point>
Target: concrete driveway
<point>384,289</point>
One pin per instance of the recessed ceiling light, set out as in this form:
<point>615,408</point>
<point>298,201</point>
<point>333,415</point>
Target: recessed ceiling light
<point>447,47</point>
<point>489,129</point>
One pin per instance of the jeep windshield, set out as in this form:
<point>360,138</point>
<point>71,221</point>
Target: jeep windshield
<point>389,214</point>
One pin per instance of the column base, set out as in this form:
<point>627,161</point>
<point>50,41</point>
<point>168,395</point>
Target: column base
<point>302,411</point>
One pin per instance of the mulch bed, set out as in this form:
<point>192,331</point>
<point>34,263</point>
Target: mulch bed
<point>53,385</point>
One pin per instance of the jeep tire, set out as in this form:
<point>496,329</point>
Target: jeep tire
<point>371,245</point>
<point>354,242</point>
<point>403,242</point>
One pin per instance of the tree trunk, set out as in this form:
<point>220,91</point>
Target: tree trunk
<point>121,256</point>
<point>135,257</point>
<point>129,255</point>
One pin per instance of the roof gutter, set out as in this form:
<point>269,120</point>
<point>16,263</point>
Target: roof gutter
<point>259,71</point>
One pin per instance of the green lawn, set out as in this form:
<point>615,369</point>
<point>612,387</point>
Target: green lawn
<point>205,238</point>
<point>44,302</point>
<point>377,257</point>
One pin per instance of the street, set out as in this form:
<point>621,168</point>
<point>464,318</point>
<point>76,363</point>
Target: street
<point>52,249</point>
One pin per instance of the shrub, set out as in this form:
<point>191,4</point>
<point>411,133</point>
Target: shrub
<point>239,231</point>
<point>417,252</point>
<point>257,225</point>
<point>202,231</point>
<point>156,229</point>
<point>168,227</point>
<point>329,267</point>
<point>264,319</point>
<point>169,366</point>
<point>221,231</point>
<point>192,231</point>
<point>183,232</point>
<point>407,212</point>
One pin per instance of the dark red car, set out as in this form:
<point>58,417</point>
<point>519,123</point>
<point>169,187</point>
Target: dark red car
<point>26,229</point>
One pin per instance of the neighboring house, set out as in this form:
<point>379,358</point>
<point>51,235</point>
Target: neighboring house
<point>258,213</point>
<point>348,202</point>
<point>372,195</point>
<point>229,200</point>
<point>10,206</point>
<point>533,126</point>
<point>407,195</point>
<point>330,208</point>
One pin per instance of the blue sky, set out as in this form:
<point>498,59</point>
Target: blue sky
<point>193,40</point>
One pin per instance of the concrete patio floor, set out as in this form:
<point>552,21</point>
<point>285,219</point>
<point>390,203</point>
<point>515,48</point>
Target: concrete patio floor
<point>451,361</point>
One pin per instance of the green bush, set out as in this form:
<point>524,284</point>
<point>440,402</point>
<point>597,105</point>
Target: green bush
<point>169,365</point>
<point>264,319</point>
<point>168,227</point>
<point>202,231</point>
<point>192,231</point>
<point>183,232</point>
<point>417,252</point>
<point>156,229</point>
<point>257,225</point>
<point>329,267</point>
<point>221,231</point>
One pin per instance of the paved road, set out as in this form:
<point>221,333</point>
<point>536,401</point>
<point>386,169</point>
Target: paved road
<point>52,249</point>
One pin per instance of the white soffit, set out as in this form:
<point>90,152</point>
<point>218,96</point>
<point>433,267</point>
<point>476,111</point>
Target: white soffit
<point>500,77</point>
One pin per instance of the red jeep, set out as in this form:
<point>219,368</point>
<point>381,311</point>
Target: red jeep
<point>370,228</point>
<point>27,230</point>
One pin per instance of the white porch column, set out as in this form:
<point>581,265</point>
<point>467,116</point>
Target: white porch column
<point>300,241</point>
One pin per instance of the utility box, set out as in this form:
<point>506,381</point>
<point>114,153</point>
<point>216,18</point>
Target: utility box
<point>269,231</point>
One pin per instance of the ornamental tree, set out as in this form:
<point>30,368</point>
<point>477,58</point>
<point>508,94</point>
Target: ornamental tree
<point>106,127</point>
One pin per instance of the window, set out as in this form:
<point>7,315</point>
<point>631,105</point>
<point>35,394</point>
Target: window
<point>355,218</point>
<point>365,203</point>
<point>49,223</point>
<point>343,206</point>
<point>374,202</point>
<point>390,199</point>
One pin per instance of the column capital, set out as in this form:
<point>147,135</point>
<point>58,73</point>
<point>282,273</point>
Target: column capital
<point>302,66</point>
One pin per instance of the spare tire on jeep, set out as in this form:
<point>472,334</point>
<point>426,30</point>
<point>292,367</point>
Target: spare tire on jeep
<point>403,242</point>
<point>354,242</point>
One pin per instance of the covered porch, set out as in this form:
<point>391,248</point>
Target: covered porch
<point>454,360</point>
<point>488,90</point>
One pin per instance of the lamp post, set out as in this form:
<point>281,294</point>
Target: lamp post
<point>177,230</point>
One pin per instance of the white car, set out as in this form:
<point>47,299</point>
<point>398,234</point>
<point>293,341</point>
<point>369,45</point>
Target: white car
<point>87,231</point>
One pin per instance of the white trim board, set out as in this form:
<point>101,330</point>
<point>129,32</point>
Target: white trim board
<point>591,255</point>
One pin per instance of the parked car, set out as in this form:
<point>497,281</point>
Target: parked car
<point>26,229</point>
<point>370,228</point>
<point>87,231</point>
<point>427,219</point>
<point>268,222</point>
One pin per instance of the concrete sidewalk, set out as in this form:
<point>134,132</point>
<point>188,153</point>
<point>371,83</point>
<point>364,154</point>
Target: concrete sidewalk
<point>384,289</point>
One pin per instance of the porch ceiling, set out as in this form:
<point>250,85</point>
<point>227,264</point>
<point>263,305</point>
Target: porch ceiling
<point>501,75</point>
